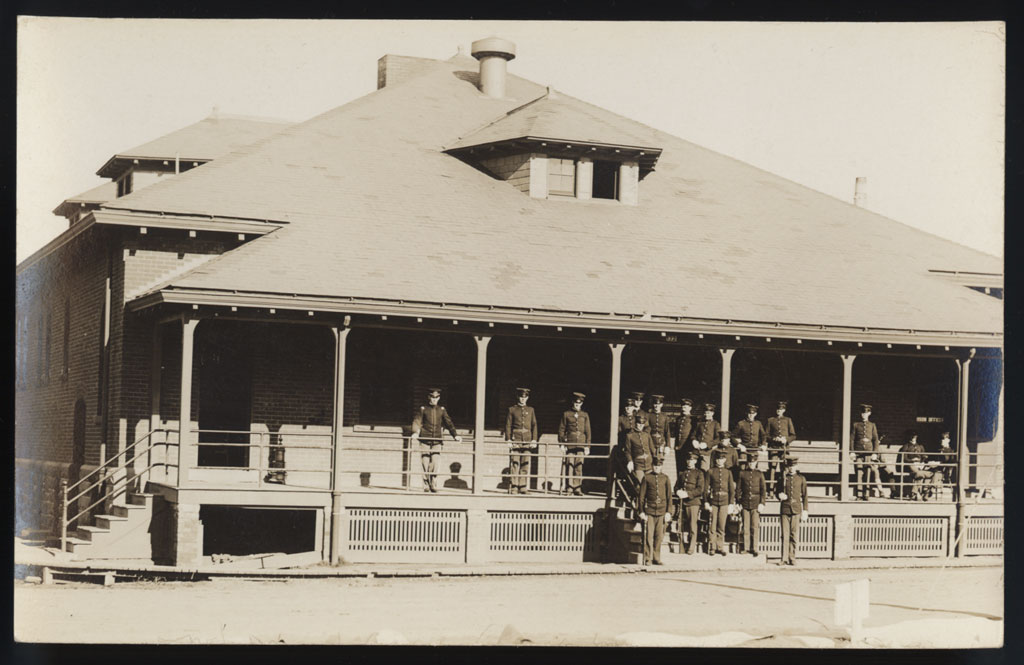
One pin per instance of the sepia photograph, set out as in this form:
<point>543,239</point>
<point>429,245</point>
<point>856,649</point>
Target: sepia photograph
<point>507,333</point>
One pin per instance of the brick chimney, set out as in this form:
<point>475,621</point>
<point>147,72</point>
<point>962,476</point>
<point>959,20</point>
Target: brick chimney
<point>493,54</point>
<point>860,192</point>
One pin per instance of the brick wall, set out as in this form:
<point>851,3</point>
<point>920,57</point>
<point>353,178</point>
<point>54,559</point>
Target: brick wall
<point>393,69</point>
<point>514,169</point>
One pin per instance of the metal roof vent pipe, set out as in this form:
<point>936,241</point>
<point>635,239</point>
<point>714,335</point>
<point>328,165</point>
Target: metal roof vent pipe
<point>860,192</point>
<point>493,54</point>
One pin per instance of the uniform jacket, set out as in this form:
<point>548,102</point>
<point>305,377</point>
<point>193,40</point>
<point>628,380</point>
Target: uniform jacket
<point>639,449</point>
<point>721,487</point>
<point>625,426</point>
<point>911,452</point>
<point>780,427</point>
<point>684,430</point>
<point>795,487</point>
<point>660,428</point>
<point>431,421</point>
<point>574,427</point>
<point>751,491</point>
<point>655,494</point>
<point>694,482</point>
<point>864,430</point>
<point>521,424</point>
<point>752,434</point>
<point>707,432</point>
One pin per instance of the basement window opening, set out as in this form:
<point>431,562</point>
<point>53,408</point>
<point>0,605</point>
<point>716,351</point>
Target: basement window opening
<point>244,530</point>
<point>606,180</point>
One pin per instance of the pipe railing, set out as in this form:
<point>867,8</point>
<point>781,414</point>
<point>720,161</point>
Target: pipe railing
<point>271,456</point>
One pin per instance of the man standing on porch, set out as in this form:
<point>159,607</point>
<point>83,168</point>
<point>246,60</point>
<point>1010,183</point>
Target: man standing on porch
<point>629,413</point>
<point>792,509</point>
<point>521,434</point>
<point>781,432</point>
<point>428,427</point>
<point>690,488</point>
<point>706,436</point>
<point>574,435</point>
<point>684,434</point>
<point>865,453</point>
<point>639,448</point>
<point>658,424</point>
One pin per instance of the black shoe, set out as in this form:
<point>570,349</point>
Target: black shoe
<point>790,563</point>
<point>753,552</point>
<point>433,489</point>
<point>426,488</point>
<point>658,563</point>
<point>722,552</point>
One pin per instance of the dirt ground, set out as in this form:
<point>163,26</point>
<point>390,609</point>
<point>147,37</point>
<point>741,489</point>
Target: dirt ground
<point>550,610</point>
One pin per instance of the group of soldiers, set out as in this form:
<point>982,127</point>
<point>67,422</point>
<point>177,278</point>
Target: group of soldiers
<point>716,471</point>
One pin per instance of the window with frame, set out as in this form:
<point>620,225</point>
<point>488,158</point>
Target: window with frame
<point>124,185</point>
<point>606,180</point>
<point>561,177</point>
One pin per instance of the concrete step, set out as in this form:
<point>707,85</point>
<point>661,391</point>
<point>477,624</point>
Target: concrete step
<point>105,521</point>
<point>140,499</point>
<point>89,533</point>
<point>74,545</point>
<point>130,510</point>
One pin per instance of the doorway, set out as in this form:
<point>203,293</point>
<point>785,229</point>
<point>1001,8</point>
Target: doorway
<point>225,399</point>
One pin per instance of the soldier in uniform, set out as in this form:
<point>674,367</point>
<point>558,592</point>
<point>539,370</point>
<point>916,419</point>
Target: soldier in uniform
<point>721,495</point>
<point>749,432</point>
<point>706,435</point>
<point>521,434</point>
<point>947,459</point>
<point>725,448</point>
<point>574,435</point>
<point>752,492</point>
<point>781,432</point>
<point>684,434</point>
<point>637,400</point>
<point>691,486</point>
<point>658,425</point>
<point>655,498</point>
<point>639,448</point>
<point>865,453</point>
<point>428,427</point>
<point>915,467</point>
<point>792,494</point>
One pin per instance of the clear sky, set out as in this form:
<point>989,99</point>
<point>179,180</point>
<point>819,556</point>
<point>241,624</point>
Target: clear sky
<point>918,109</point>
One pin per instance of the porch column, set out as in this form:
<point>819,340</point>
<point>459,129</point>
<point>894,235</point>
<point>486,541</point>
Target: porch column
<point>478,428</point>
<point>726,383</point>
<point>614,399</point>
<point>188,454</point>
<point>340,338</point>
<point>844,428</point>
<point>154,410</point>
<point>962,453</point>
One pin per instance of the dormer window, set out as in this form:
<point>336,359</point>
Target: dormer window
<point>561,177</point>
<point>124,185</point>
<point>606,180</point>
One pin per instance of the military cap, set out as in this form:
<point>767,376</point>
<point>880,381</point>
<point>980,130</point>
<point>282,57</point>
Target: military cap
<point>523,391</point>
<point>752,408</point>
<point>944,435</point>
<point>657,399</point>
<point>781,405</point>
<point>865,407</point>
<point>709,407</point>
<point>641,417</point>
<point>724,435</point>
<point>751,453</point>
<point>717,452</point>
<point>743,457</point>
<point>637,395</point>
<point>686,400</point>
<point>693,455</point>
<point>789,460</point>
<point>577,396</point>
<point>434,392</point>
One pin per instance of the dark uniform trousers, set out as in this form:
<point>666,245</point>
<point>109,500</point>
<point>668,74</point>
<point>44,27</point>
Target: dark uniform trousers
<point>520,430</point>
<point>721,493</point>
<point>684,434</point>
<point>574,434</point>
<point>864,468</point>
<point>752,492</point>
<point>778,427</point>
<point>795,487</point>
<point>430,423</point>
<point>655,498</point>
<point>691,481</point>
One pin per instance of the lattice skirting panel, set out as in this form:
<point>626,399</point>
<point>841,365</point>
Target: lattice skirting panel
<point>984,535</point>
<point>815,537</point>
<point>541,536</point>
<point>400,535</point>
<point>900,536</point>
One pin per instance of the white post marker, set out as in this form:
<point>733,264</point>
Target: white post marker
<point>852,606</point>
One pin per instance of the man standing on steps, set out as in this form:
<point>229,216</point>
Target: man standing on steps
<point>751,495</point>
<point>781,433</point>
<point>684,434</point>
<point>706,436</point>
<point>749,434</point>
<point>654,499</point>
<point>721,494</point>
<point>639,448</point>
<point>521,435</point>
<point>658,424</point>
<point>691,486</point>
<point>428,427</point>
<point>574,435</point>
<point>793,508</point>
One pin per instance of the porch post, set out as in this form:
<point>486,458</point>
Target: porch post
<point>188,455</point>
<point>156,360</point>
<point>478,428</point>
<point>614,399</point>
<point>726,383</point>
<point>340,338</point>
<point>844,428</point>
<point>962,453</point>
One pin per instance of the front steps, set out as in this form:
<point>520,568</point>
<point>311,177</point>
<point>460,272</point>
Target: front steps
<point>123,534</point>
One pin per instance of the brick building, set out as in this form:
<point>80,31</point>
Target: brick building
<point>465,228</point>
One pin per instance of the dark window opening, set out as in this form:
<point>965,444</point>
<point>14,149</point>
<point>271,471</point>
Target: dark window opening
<point>49,345</point>
<point>606,180</point>
<point>224,401</point>
<point>66,359</point>
<point>241,530</point>
<point>993,291</point>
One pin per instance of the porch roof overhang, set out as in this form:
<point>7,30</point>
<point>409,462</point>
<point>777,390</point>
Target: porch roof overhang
<point>146,218</point>
<point>619,323</point>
